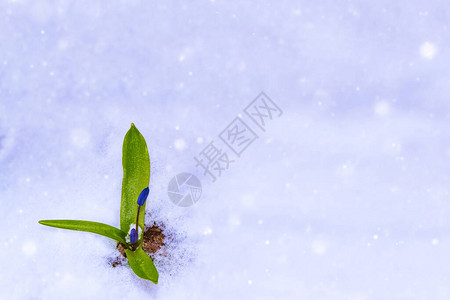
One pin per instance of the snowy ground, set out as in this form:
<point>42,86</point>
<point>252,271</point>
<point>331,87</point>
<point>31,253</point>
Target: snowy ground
<point>344,196</point>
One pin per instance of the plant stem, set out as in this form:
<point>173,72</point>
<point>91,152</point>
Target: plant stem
<point>137,220</point>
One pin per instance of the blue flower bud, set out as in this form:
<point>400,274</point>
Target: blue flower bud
<point>142,197</point>
<point>133,236</point>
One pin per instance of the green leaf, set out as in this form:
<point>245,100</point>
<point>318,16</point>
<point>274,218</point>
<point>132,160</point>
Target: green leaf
<point>142,265</point>
<point>94,227</point>
<point>136,177</point>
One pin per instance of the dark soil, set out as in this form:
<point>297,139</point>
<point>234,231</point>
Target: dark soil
<point>153,241</point>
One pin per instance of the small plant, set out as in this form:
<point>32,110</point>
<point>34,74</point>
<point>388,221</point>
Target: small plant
<point>136,178</point>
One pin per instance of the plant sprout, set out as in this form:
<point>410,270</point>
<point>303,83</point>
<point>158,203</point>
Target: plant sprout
<point>136,178</point>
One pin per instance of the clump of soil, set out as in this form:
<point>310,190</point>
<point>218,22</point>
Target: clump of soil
<point>153,241</point>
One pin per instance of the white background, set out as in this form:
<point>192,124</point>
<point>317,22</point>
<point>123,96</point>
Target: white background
<point>345,196</point>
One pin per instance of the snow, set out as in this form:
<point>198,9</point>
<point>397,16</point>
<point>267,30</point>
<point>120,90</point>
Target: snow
<point>343,196</point>
<point>180,144</point>
<point>428,50</point>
